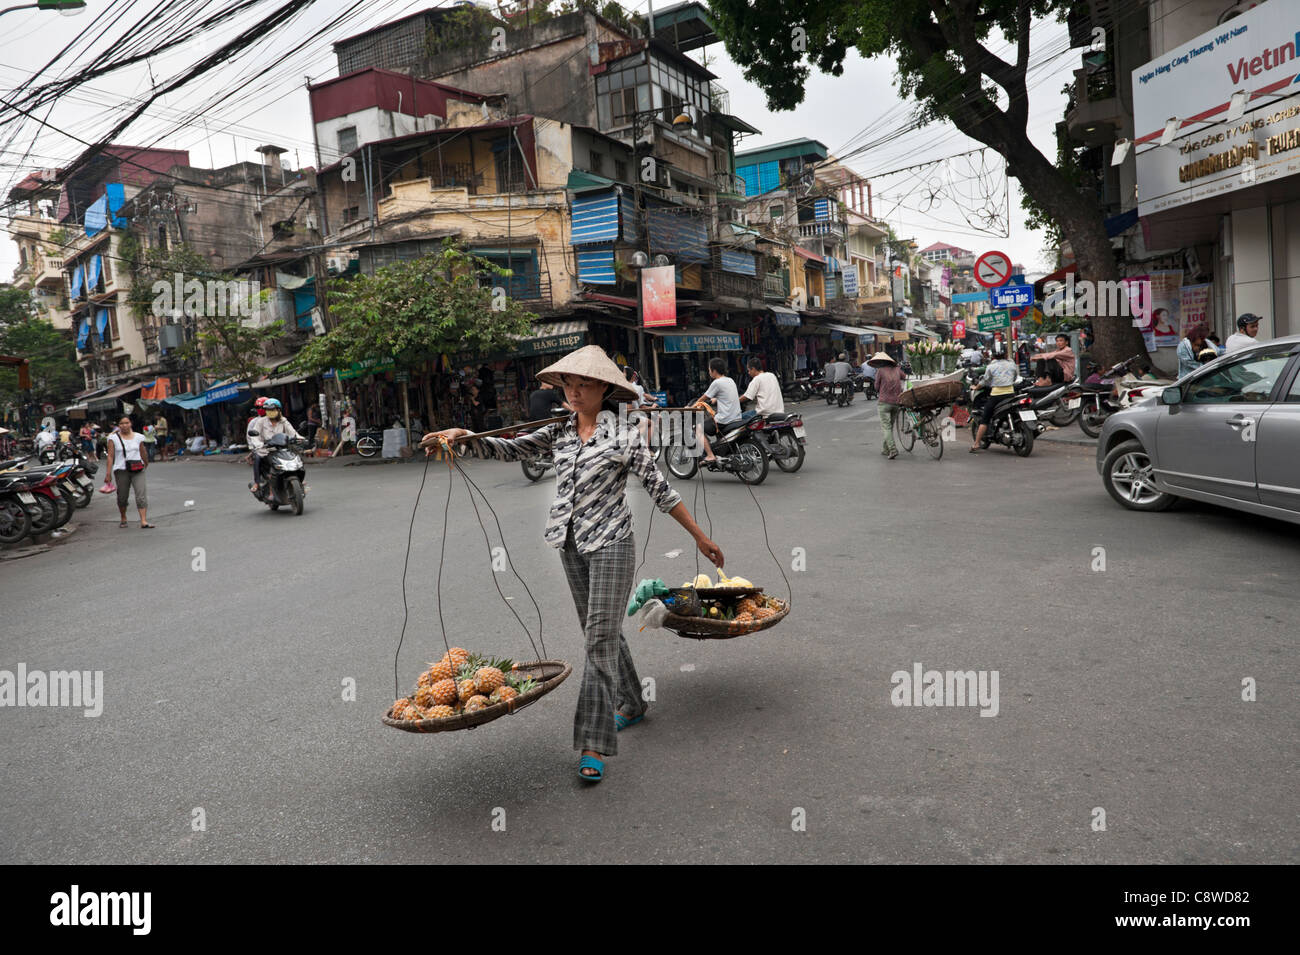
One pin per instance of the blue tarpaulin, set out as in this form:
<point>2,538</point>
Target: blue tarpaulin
<point>116,198</point>
<point>101,323</point>
<point>93,269</point>
<point>679,230</point>
<point>96,219</point>
<point>188,401</point>
<point>83,333</point>
<point>78,279</point>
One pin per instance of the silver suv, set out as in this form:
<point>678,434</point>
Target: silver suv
<point>1228,434</point>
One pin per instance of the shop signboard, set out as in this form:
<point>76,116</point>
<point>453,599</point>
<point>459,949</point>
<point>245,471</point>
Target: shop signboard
<point>658,397</point>
<point>371,366</point>
<point>992,321</point>
<point>717,341</point>
<point>1246,69</point>
<point>547,344</point>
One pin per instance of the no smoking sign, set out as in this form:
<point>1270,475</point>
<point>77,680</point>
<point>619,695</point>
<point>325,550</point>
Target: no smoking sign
<point>993,269</point>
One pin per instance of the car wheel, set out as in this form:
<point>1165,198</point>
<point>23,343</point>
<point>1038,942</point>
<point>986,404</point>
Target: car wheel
<point>1126,473</point>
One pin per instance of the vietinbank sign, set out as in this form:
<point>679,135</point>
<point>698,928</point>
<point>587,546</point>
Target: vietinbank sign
<point>1235,94</point>
<point>1257,53</point>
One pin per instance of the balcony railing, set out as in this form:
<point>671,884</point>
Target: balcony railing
<point>525,287</point>
<point>733,285</point>
<point>720,98</point>
<point>817,230</point>
<point>775,285</point>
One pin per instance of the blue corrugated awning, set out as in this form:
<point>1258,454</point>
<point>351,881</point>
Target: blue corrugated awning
<point>784,316</point>
<point>596,266</point>
<point>595,218</point>
<point>822,209</point>
<point>680,230</point>
<point>742,263</point>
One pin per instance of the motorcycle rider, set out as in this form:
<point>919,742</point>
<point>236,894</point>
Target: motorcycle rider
<point>1000,375</point>
<point>1247,329</point>
<point>764,390</point>
<point>45,439</point>
<point>259,431</point>
<point>723,396</point>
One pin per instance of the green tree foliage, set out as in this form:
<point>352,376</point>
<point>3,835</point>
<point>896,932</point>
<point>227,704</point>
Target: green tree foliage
<point>414,310</point>
<point>942,49</point>
<point>224,343</point>
<point>52,357</point>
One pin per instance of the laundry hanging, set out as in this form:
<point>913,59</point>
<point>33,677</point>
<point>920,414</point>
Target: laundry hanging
<point>94,268</point>
<point>101,323</point>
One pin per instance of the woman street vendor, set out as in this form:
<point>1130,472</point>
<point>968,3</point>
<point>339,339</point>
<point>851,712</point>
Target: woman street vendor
<point>591,525</point>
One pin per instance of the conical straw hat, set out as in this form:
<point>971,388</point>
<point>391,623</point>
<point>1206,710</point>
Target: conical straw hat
<point>880,358</point>
<point>589,362</point>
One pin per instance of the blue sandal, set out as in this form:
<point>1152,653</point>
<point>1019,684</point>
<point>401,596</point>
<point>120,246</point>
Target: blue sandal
<point>622,722</point>
<point>591,762</point>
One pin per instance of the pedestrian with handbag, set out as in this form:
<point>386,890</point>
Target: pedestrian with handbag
<point>127,464</point>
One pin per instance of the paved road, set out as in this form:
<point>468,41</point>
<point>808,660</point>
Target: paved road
<point>1118,689</point>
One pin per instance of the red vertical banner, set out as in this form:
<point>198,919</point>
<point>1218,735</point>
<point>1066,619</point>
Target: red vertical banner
<point>958,329</point>
<point>659,296</point>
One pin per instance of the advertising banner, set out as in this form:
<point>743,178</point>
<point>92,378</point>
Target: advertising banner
<point>659,296</point>
<point>1195,310</point>
<point>1138,288</point>
<point>1165,307</point>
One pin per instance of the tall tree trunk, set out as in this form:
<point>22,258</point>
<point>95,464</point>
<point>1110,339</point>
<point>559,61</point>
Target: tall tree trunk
<point>1115,337</point>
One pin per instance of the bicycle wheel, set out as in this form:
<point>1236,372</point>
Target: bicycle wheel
<point>932,437</point>
<point>905,427</point>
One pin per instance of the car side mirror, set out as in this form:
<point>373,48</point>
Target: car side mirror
<point>1171,396</point>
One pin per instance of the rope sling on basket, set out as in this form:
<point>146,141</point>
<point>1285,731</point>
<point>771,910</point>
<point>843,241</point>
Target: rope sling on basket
<point>688,606</point>
<point>462,690</point>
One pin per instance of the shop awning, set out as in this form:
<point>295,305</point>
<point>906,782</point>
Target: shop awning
<point>266,381</point>
<point>682,339</point>
<point>550,337</point>
<point>189,401</point>
<point>226,391</point>
<point>108,399</point>
<point>920,331</point>
<point>853,331</point>
<point>810,256</point>
<point>784,316</point>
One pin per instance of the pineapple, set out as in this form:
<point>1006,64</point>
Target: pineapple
<point>458,656</point>
<point>465,689</point>
<point>444,692</point>
<point>475,703</point>
<point>424,697</point>
<point>487,679</point>
<point>503,693</point>
<point>400,709</point>
<point>426,679</point>
<point>444,669</point>
<point>439,712</point>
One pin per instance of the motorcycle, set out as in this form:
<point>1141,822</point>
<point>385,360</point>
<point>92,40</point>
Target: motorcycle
<point>738,449</point>
<point>1101,400</point>
<point>865,384</point>
<point>16,502</point>
<point>282,475</point>
<point>843,391</point>
<point>1014,423</point>
<point>798,390</point>
<point>783,439</point>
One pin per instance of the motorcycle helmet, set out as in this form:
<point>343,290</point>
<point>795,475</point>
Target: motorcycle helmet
<point>1247,319</point>
<point>260,405</point>
<point>270,403</point>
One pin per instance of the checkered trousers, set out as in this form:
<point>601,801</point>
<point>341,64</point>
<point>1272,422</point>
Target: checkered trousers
<point>601,583</point>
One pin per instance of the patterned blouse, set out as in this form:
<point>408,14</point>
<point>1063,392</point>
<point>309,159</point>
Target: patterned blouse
<point>590,478</point>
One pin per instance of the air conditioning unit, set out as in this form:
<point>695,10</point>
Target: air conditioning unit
<point>431,121</point>
<point>817,301</point>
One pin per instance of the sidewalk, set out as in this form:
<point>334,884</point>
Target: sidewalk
<point>1070,434</point>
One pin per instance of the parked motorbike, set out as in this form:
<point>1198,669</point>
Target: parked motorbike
<point>1099,401</point>
<point>783,439</point>
<point>17,504</point>
<point>282,475</point>
<point>798,390</point>
<point>737,446</point>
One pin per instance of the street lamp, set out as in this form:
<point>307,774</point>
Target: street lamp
<point>69,8</point>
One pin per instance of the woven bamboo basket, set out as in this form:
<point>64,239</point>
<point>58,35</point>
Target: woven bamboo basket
<point>704,628</point>
<point>548,673</point>
<point>930,393</point>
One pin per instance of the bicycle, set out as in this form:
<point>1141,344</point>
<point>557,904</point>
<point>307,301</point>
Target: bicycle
<point>924,422</point>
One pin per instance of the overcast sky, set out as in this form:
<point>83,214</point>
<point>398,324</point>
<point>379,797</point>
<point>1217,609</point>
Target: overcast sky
<point>949,202</point>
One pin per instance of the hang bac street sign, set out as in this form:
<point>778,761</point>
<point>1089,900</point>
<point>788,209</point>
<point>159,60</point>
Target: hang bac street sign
<point>1011,296</point>
<point>992,321</point>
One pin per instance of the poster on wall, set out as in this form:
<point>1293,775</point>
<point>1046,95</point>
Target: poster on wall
<point>659,296</point>
<point>1195,309</point>
<point>1166,287</point>
<point>1139,306</point>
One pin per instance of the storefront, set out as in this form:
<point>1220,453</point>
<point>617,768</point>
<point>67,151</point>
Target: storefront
<point>1217,144</point>
<point>681,358</point>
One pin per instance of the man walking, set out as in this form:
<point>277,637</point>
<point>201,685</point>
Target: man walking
<point>889,386</point>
